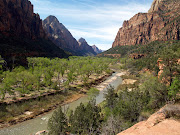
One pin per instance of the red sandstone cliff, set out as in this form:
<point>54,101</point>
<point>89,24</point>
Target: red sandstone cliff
<point>18,19</point>
<point>162,22</point>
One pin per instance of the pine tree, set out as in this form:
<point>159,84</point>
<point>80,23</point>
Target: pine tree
<point>57,124</point>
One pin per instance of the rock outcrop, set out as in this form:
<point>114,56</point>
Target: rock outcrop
<point>158,123</point>
<point>85,48</point>
<point>22,34</point>
<point>96,49</point>
<point>162,22</point>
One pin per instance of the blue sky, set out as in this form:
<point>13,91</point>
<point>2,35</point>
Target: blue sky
<point>98,21</point>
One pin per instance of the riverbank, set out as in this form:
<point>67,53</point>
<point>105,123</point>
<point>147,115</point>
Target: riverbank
<point>59,98</point>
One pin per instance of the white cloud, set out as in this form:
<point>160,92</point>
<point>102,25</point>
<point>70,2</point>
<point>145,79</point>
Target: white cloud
<point>100,22</point>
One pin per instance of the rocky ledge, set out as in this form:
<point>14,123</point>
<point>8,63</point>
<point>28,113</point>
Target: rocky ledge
<point>160,123</point>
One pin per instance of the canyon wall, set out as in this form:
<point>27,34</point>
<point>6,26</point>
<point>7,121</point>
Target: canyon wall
<point>18,19</point>
<point>162,22</point>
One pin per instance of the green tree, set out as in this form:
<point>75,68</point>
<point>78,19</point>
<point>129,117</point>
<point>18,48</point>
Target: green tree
<point>78,123</point>
<point>37,75</point>
<point>174,89</point>
<point>110,97</point>
<point>92,93</point>
<point>48,75</point>
<point>1,62</point>
<point>25,78</point>
<point>155,92</point>
<point>57,124</point>
<point>7,83</point>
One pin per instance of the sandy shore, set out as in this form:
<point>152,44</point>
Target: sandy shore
<point>104,84</point>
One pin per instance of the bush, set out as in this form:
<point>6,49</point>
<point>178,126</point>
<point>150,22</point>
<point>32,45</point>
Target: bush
<point>172,111</point>
<point>155,92</point>
<point>174,89</point>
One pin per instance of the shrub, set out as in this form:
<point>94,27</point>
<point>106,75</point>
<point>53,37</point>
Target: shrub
<point>172,111</point>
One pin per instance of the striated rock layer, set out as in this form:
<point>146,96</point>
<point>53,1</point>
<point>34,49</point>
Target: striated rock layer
<point>162,22</point>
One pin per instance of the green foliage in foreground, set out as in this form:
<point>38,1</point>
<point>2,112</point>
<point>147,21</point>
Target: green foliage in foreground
<point>174,89</point>
<point>84,120</point>
<point>57,124</point>
<point>120,110</point>
<point>128,106</point>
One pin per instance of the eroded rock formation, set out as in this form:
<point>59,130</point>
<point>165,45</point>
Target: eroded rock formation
<point>162,22</point>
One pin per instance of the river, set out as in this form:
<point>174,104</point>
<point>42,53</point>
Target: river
<point>30,127</point>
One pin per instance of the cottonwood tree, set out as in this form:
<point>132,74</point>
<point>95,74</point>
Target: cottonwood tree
<point>25,78</point>
<point>7,83</point>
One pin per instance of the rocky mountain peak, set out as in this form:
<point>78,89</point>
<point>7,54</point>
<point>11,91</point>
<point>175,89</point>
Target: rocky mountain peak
<point>81,40</point>
<point>155,6</point>
<point>51,19</point>
<point>62,37</point>
<point>59,34</point>
<point>96,49</point>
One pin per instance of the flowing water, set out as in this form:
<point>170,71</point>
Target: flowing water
<point>30,127</point>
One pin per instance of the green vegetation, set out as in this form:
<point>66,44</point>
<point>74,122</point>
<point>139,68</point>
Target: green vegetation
<point>44,73</point>
<point>48,82</point>
<point>168,50</point>
<point>124,107</point>
<point>86,119</point>
<point>57,124</point>
<point>92,93</point>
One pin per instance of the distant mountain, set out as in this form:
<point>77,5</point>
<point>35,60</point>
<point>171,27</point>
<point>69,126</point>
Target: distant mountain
<point>85,48</point>
<point>162,22</point>
<point>62,37</point>
<point>96,49</point>
<point>22,34</point>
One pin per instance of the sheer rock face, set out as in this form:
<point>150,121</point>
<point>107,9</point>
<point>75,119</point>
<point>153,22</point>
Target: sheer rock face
<point>59,34</point>
<point>162,22</point>
<point>18,19</point>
